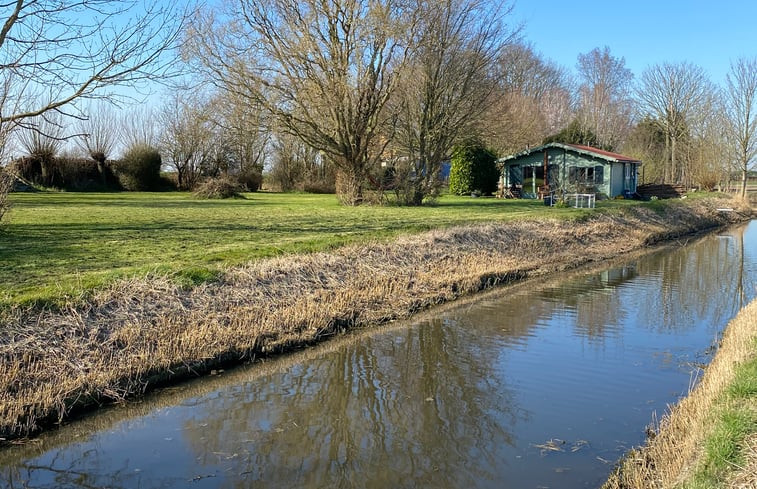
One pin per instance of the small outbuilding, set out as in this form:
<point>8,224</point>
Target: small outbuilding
<point>571,168</point>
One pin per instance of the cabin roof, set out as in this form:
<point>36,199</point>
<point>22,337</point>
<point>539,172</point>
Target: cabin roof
<point>576,148</point>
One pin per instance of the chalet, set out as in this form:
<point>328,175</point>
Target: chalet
<point>569,168</point>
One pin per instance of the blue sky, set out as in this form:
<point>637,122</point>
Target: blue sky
<point>707,33</point>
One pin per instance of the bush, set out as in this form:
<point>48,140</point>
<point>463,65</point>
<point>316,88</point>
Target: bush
<point>139,169</point>
<point>319,187</point>
<point>86,174</point>
<point>251,179</point>
<point>67,173</point>
<point>218,188</point>
<point>6,185</point>
<point>474,168</point>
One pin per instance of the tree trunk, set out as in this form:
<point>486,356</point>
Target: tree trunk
<point>349,188</point>
<point>744,173</point>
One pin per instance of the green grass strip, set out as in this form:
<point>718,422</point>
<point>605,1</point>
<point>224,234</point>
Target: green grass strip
<point>735,418</point>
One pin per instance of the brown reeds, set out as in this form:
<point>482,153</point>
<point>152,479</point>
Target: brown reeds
<point>671,456</point>
<point>141,333</point>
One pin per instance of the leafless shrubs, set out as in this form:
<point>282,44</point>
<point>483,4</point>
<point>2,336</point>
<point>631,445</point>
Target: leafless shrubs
<point>218,188</point>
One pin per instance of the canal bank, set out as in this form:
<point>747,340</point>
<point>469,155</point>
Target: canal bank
<point>708,439</point>
<point>141,334</point>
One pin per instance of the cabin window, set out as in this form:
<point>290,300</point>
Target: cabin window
<point>586,175</point>
<point>599,174</point>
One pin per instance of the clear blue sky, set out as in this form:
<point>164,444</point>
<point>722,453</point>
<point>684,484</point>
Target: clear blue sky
<point>645,32</point>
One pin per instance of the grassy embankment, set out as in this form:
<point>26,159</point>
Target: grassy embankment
<point>121,339</point>
<point>709,439</point>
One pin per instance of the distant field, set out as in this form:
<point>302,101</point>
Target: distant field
<point>58,244</point>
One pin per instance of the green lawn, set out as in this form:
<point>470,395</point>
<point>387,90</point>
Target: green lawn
<point>56,244</point>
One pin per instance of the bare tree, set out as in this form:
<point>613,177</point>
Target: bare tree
<point>245,130</point>
<point>53,52</point>
<point>741,109</point>
<point>533,100</point>
<point>323,69</point>
<point>138,128</point>
<point>447,86</point>
<point>674,94</point>
<point>186,139</point>
<point>98,135</point>
<point>604,96</point>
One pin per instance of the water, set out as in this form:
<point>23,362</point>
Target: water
<point>544,385</point>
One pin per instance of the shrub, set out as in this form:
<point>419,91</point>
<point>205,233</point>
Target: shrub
<point>251,179</point>
<point>218,188</point>
<point>86,174</point>
<point>319,187</point>
<point>6,185</point>
<point>139,169</point>
<point>68,173</point>
<point>474,168</point>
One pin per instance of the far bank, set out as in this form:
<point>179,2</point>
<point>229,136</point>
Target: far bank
<point>138,334</point>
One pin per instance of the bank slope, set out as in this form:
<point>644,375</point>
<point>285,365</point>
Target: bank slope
<point>138,334</point>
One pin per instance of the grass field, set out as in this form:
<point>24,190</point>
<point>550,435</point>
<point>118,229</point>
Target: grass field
<point>59,244</point>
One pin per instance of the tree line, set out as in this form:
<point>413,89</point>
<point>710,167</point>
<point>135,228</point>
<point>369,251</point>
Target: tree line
<point>364,97</point>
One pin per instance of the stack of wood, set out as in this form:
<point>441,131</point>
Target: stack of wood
<point>661,190</point>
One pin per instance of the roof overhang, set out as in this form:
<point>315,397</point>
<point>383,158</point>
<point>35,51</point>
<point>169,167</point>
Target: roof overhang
<point>584,150</point>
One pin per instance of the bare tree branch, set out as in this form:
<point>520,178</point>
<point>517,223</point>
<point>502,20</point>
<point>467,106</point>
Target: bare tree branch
<point>741,109</point>
<point>53,53</point>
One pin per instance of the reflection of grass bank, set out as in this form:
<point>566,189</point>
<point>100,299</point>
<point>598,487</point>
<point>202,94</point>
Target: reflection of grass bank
<point>134,334</point>
<point>709,439</point>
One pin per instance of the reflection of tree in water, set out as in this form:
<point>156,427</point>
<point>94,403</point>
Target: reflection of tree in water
<point>593,299</point>
<point>78,470</point>
<point>417,406</point>
<point>700,283</point>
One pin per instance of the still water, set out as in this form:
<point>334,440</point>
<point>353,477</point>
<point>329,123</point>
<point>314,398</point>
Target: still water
<point>544,385</point>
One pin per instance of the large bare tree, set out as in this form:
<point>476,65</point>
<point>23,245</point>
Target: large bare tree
<point>604,96</point>
<point>674,95</point>
<point>741,109</point>
<point>324,69</point>
<point>54,52</point>
<point>447,86</point>
<point>533,99</point>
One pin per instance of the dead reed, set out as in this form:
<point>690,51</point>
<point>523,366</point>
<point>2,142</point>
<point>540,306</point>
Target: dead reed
<point>138,334</point>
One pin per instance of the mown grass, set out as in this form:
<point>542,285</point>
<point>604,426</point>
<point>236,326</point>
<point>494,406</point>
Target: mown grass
<point>56,245</point>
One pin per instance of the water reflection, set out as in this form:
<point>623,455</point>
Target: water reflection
<point>422,405</point>
<point>467,398</point>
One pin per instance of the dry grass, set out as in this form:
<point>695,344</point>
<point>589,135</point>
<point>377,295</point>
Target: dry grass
<point>673,456</point>
<point>138,334</point>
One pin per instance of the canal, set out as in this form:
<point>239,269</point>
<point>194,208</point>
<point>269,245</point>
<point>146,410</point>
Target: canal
<point>542,385</point>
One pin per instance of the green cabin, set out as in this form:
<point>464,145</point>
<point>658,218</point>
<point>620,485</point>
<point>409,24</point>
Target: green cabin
<point>570,168</point>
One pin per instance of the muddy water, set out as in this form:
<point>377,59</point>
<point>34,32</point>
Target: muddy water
<point>540,386</point>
